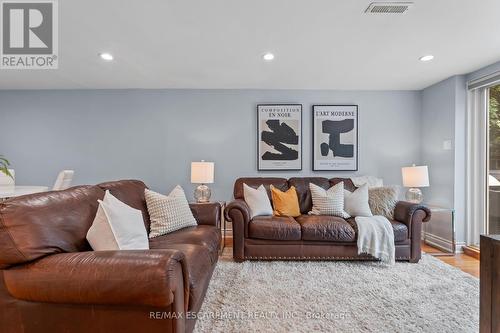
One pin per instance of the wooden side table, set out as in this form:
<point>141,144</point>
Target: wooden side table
<point>439,232</point>
<point>223,226</point>
<point>489,293</point>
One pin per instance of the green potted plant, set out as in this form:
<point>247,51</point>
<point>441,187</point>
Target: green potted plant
<point>4,166</point>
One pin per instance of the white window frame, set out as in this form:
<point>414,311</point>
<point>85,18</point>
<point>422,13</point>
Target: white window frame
<point>477,164</point>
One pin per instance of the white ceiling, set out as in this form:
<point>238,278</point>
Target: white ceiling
<point>319,44</point>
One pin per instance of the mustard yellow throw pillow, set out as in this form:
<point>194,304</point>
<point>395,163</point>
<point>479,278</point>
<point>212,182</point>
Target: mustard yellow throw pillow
<point>285,203</point>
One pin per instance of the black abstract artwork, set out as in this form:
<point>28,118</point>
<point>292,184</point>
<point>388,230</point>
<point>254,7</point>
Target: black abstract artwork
<point>335,137</point>
<point>279,138</point>
<point>279,135</point>
<point>334,128</point>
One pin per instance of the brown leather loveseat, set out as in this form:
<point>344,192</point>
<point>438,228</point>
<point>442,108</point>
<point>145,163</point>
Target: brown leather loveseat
<point>310,237</point>
<point>52,281</point>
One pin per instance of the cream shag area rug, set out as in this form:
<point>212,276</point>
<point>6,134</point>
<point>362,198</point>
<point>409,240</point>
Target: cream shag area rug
<point>336,296</point>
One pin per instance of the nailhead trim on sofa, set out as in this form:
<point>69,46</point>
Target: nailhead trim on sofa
<point>314,258</point>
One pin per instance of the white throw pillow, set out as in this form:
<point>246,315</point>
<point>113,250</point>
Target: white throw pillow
<point>168,213</point>
<point>257,200</point>
<point>328,202</point>
<point>356,203</point>
<point>117,226</point>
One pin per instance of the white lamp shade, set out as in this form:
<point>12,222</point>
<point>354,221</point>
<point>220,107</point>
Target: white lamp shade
<point>415,176</point>
<point>202,172</point>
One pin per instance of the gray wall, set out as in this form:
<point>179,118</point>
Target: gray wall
<point>443,118</point>
<point>153,135</point>
<point>444,109</point>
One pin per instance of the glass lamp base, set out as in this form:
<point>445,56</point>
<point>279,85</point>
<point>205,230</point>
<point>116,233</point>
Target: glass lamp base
<point>202,193</point>
<point>414,195</point>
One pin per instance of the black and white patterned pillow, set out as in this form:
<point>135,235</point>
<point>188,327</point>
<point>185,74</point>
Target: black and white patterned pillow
<point>168,213</point>
<point>328,202</point>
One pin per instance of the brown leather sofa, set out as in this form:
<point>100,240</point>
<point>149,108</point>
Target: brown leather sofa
<point>313,237</point>
<point>52,281</point>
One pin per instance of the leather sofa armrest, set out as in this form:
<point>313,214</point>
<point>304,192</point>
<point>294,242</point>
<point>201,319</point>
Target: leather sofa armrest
<point>207,213</point>
<point>237,210</point>
<point>135,277</point>
<point>406,212</point>
<point>238,213</point>
<point>413,215</point>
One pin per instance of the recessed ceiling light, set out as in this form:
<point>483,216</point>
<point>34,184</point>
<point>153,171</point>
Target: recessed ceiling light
<point>106,56</point>
<point>268,56</point>
<point>428,57</point>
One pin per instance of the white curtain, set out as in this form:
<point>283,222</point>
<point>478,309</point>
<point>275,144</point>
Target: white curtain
<point>477,164</point>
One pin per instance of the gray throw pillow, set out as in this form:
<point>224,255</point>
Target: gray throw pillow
<point>382,201</point>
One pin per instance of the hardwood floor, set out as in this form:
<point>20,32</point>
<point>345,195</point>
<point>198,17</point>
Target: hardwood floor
<point>462,261</point>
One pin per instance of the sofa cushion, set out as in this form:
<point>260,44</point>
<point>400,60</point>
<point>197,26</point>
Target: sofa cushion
<point>36,225</point>
<point>203,235</point>
<point>274,228</point>
<point>130,192</point>
<point>400,231</point>
<point>326,228</point>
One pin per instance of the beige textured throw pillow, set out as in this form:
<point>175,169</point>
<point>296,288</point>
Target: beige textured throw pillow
<point>328,202</point>
<point>168,213</point>
<point>383,201</point>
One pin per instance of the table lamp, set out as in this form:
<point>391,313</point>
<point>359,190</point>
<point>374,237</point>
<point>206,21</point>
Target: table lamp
<point>202,173</point>
<point>415,177</point>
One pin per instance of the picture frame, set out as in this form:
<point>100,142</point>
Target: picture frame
<point>335,137</point>
<point>279,137</point>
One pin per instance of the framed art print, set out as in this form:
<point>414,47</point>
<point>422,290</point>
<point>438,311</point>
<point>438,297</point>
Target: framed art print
<point>279,131</point>
<point>335,137</point>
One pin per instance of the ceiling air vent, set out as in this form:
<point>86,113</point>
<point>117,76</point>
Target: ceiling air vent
<point>388,7</point>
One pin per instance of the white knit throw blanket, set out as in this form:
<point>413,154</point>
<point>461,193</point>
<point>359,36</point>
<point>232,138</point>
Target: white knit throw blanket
<point>376,237</point>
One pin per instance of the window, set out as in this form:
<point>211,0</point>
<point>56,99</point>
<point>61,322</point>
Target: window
<point>493,223</point>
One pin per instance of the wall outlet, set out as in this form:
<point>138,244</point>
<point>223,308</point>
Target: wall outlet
<point>447,145</point>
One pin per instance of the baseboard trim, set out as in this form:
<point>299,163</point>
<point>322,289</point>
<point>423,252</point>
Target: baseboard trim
<point>473,252</point>
<point>439,242</point>
<point>443,244</point>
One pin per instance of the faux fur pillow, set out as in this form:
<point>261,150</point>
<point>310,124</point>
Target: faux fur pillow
<point>383,201</point>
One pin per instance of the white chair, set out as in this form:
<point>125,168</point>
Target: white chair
<point>63,180</point>
<point>6,180</point>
